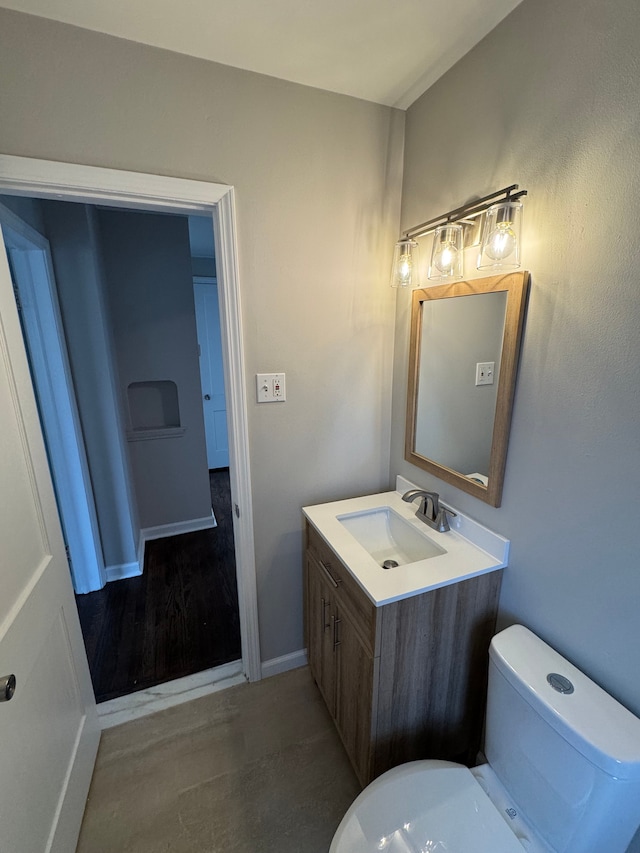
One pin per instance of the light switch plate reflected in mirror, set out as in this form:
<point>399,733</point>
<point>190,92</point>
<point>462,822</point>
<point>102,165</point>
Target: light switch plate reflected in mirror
<point>485,372</point>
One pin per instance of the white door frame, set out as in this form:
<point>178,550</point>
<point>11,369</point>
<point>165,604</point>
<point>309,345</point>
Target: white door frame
<point>95,185</point>
<point>31,259</point>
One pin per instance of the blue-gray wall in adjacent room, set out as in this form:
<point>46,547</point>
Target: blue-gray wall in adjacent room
<point>75,248</point>
<point>150,290</point>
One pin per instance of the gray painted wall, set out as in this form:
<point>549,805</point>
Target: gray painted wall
<point>147,265</point>
<point>550,100</point>
<point>75,250</point>
<point>317,180</point>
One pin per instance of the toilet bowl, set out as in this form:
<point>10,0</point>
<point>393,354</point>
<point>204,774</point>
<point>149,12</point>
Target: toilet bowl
<point>433,806</point>
<point>562,772</point>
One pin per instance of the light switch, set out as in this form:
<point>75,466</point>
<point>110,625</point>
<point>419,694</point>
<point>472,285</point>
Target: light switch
<point>484,372</point>
<point>270,387</point>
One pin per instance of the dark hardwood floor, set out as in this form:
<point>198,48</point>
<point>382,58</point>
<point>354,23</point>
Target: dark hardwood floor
<point>179,617</point>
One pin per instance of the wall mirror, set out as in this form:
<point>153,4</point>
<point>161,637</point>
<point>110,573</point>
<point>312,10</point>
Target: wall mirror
<point>463,359</point>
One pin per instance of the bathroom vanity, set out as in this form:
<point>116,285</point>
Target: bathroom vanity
<point>400,655</point>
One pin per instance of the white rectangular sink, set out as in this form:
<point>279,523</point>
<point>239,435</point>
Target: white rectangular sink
<point>365,531</point>
<point>388,538</point>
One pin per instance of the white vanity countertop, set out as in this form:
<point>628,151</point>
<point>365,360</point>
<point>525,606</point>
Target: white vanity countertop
<point>471,549</point>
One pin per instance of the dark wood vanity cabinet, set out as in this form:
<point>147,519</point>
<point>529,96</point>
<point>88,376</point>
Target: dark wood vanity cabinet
<point>403,681</point>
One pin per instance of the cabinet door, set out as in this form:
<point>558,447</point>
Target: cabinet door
<point>354,695</point>
<point>320,619</point>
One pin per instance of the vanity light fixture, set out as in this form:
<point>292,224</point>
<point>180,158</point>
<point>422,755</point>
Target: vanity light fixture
<point>447,261</point>
<point>454,231</point>
<point>500,247</point>
<point>404,269</point>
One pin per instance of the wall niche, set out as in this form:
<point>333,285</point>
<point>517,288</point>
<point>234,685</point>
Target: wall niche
<point>154,410</point>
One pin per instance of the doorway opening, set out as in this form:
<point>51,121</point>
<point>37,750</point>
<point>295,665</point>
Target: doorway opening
<point>228,489</point>
<point>174,611</point>
<point>178,618</point>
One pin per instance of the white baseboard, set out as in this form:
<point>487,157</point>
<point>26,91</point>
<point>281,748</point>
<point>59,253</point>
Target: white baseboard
<point>123,570</point>
<point>173,529</point>
<point>283,664</point>
<point>178,527</point>
<point>131,570</point>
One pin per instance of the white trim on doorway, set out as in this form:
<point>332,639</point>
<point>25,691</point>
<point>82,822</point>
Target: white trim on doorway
<point>153,699</point>
<point>30,258</point>
<point>92,185</point>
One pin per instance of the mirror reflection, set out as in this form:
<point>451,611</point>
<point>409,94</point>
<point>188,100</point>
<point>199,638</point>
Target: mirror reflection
<point>463,356</point>
<point>457,335</point>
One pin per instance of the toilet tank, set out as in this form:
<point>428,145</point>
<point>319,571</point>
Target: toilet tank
<point>569,760</point>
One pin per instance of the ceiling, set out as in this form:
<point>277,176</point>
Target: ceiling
<point>386,51</point>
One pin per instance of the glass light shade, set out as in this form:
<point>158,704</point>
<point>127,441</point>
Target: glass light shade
<point>500,247</point>
<point>404,270</point>
<point>447,254</point>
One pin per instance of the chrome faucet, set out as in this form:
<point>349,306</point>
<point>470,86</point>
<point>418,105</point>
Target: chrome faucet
<point>430,510</point>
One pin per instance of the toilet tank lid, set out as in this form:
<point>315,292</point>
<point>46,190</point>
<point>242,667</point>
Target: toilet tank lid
<point>591,720</point>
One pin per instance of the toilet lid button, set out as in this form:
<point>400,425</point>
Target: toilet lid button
<point>560,683</point>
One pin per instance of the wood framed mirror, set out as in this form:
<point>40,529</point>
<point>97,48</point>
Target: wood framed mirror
<point>463,360</point>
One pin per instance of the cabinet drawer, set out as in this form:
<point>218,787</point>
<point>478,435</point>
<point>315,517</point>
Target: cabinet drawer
<point>348,592</point>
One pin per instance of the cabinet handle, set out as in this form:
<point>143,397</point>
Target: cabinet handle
<point>325,624</point>
<point>326,568</point>
<point>336,641</point>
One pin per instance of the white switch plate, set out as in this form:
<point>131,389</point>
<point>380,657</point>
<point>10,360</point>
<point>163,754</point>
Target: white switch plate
<point>484,372</point>
<point>270,387</point>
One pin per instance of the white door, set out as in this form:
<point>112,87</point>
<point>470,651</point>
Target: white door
<point>211,371</point>
<point>49,730</point>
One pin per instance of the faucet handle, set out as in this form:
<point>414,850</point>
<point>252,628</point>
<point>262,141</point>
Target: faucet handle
<point>442,521</point>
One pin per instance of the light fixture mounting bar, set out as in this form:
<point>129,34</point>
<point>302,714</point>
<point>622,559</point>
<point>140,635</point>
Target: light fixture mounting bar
<point>467,211</point>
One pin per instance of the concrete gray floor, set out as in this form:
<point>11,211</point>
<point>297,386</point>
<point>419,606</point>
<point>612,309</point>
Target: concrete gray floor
<point>258,768</point>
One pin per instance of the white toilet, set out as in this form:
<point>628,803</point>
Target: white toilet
<point>562,771</point>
